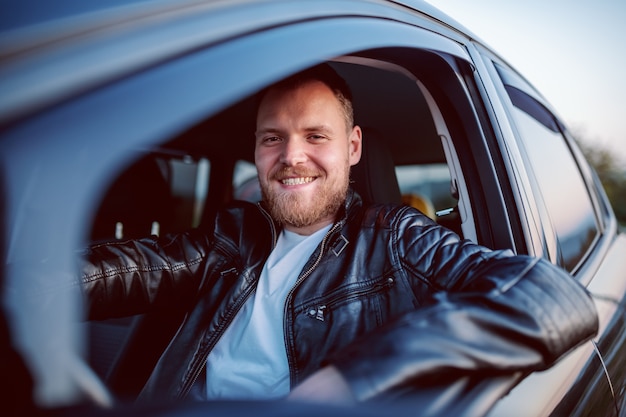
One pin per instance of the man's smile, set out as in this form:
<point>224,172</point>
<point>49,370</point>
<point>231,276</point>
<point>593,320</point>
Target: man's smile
<point>297,181</point>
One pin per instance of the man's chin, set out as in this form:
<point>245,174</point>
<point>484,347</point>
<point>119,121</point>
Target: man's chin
<point>303,208</point>
<point>291,216</point>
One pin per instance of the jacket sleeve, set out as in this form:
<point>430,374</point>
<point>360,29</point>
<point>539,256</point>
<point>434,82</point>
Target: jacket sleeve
<point>134,276</point>
<point>490,314</point>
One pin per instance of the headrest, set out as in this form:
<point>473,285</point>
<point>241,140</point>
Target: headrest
<point>374,177</point>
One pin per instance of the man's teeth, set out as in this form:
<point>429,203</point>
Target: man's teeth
<point>297,181</point>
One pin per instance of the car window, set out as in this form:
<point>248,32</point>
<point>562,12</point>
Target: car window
<point>559,181</point>
<point>426,187</point>
<point>392,106</point>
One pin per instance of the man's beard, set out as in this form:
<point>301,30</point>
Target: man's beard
<point>299,211</point>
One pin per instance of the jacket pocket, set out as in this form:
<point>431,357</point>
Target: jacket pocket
<point>363,302</point>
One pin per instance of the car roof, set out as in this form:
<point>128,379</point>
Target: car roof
<point>31,14</point>
<point>73,22</point>
<point>28,13</point>
<point>34,36</point>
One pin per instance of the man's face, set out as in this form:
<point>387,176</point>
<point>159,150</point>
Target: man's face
<point>303,155</point>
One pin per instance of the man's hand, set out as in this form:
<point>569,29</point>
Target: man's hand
<point>325,386</point>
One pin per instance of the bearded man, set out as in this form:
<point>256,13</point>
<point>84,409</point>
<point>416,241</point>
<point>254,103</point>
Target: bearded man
<point>312,294</point>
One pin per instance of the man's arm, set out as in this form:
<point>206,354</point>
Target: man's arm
<point>131,277</point>
<point>490,328</point>
<point>490,315</point>
<point>461,339</point>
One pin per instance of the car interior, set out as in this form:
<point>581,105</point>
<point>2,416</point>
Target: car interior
<point>182,183</point>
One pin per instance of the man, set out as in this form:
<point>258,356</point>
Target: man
<point>313,295</point>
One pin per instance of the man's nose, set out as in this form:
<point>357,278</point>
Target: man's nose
<point>293,152</point>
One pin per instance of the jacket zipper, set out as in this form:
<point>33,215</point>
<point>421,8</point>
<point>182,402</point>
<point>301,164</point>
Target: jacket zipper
<point>302,277</point>
<point>219,332</point>
<point>380,286</point>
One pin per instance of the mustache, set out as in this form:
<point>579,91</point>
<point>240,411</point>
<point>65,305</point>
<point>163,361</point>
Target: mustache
<point>287,172</point>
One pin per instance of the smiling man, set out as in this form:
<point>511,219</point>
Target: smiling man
<point>312,294</point>
<point>305,146</point>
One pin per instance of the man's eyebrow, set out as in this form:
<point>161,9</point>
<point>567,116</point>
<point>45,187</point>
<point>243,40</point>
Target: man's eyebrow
<point>266,130</point>
<point>308,129</point>
<point>319,128</point>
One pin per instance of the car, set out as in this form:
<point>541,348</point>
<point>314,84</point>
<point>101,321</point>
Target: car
<point>137,118</point>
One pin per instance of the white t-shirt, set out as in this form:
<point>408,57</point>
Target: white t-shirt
<point>250,360</point>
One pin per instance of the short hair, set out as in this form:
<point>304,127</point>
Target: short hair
<point>325,74</point>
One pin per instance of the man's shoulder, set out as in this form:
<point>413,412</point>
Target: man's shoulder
<point>241,206</point>
<point>242,218</point>
<point>240,212</point>
<point>393,214</point>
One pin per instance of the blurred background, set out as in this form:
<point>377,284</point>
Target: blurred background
<point>572,51</point>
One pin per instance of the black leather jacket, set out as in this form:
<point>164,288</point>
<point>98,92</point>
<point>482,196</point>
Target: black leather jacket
<point>393,300</point>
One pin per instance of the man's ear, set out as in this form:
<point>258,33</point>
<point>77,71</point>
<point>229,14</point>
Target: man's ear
<point>356,145</point>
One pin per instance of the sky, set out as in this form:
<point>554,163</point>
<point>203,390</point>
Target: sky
<point>572,51</point>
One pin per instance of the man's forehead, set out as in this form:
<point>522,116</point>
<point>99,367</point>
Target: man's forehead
<point>304,94</point>
<point>311,86</point>
<point>310,106</point>
<point>310,128</point>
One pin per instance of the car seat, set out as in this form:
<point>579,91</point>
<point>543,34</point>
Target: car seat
<point>374,177</point>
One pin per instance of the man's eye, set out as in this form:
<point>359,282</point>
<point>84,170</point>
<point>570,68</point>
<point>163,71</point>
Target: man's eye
<point>271,139</point>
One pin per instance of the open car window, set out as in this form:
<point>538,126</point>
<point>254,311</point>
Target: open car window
<point>191,176</point>
<point>418,113</point>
